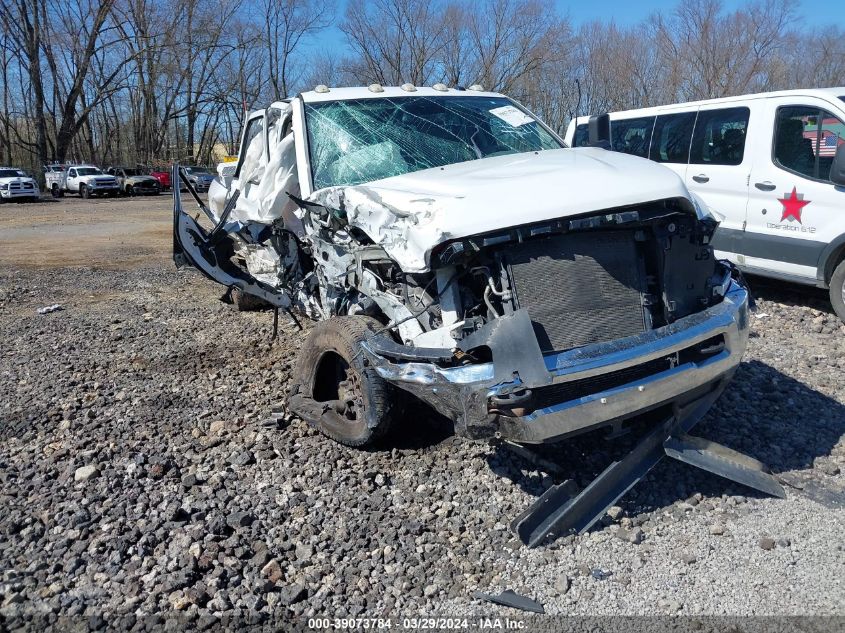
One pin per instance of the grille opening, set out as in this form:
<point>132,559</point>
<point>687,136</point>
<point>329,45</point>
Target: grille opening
<point>579,288</point>
<point>702,351</point>
<point>566,391</point>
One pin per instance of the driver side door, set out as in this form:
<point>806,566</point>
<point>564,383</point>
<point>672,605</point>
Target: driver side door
<point>72,183</point>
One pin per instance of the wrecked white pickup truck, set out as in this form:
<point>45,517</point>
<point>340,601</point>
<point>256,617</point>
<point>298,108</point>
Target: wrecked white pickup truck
<point>454,249</point>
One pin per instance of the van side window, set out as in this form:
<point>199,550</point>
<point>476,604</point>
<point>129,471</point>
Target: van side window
<point>719,137</point>
<point>632,136</point>
<point>582,135</point>
<point>671,140</point>
<point>831,136</point>
<point>806,139</point>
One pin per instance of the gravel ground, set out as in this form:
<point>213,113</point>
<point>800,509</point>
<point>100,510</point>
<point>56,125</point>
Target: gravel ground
<point>137,475</point>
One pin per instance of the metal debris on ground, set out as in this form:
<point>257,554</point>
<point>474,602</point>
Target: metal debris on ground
<point>48,309</point>
<point>509,598</point>
<point>563,510</point>
<point>277,419</point>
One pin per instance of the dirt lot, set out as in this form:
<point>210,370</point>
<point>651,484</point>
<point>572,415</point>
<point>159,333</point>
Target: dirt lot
<point>137,474</point>
<point>103,232</point>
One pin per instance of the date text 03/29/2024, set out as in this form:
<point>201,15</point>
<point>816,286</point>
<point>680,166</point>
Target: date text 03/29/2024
<point>475,623</point>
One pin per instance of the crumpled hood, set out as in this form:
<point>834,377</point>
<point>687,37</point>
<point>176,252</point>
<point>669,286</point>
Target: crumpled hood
<point>409,215</point>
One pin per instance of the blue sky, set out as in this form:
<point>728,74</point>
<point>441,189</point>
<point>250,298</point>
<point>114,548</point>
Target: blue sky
<point>625,12</point>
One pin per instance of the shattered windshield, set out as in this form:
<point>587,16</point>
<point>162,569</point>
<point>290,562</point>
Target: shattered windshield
<point>362,140</point>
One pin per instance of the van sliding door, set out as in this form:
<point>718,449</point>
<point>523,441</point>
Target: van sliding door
<point>718,171</point>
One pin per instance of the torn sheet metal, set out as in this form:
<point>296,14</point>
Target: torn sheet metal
<point>263,263</point>
<point>514,347</point>
<point>191,245</point>
<point>401,224</point>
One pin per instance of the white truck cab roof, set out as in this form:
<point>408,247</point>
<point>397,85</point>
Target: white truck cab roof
<point>346,94</point>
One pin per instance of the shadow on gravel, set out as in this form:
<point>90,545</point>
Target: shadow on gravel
<point>423,428</point>
<point>763,413</point>
<point>790,294</point>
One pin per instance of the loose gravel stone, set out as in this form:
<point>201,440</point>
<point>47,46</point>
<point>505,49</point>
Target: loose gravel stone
<point>272,570</point>
<point>84,473</point>
<point>292,594</point>
<point>562,584</point>
<point>615,512</point>
<point>766,543</point>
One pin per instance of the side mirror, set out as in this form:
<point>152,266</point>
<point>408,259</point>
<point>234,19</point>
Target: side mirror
<point>599,131</point>
<point>837,168</point>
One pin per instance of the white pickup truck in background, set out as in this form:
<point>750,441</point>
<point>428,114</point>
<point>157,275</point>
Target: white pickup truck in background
<point>16,185</point>
<point>86,180</point>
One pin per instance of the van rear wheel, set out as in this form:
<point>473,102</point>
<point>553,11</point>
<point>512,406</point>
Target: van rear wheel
<point>837,290</point>
<point>359,406</point>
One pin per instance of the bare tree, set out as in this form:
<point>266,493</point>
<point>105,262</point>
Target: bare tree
<point>151,81</point>
<point>287,22</point>
<point>717,54</point>
<point>23,23</point>
<point>395,41</point>
<point>511,39</point>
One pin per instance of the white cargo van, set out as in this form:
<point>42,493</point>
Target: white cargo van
<point>770,166</point>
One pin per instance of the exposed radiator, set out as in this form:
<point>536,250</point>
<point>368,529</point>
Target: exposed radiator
<point>579,288</point>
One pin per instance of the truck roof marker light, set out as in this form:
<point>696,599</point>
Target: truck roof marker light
<point>476,88</point>
<point>375,88</point>
<point>441,87</point>
<point>322,88</point>
<point>409,87</point>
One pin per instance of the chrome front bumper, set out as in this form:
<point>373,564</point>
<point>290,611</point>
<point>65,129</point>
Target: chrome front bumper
<point>11,194</point>
<point>466,394</point>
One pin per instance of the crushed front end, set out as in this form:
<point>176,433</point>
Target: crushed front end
<point>575,324</point>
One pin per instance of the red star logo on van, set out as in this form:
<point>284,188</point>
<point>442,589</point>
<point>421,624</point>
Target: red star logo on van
<point>792,205</point>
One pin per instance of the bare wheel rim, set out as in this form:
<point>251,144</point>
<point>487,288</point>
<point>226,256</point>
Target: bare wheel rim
<point>350,400</point>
